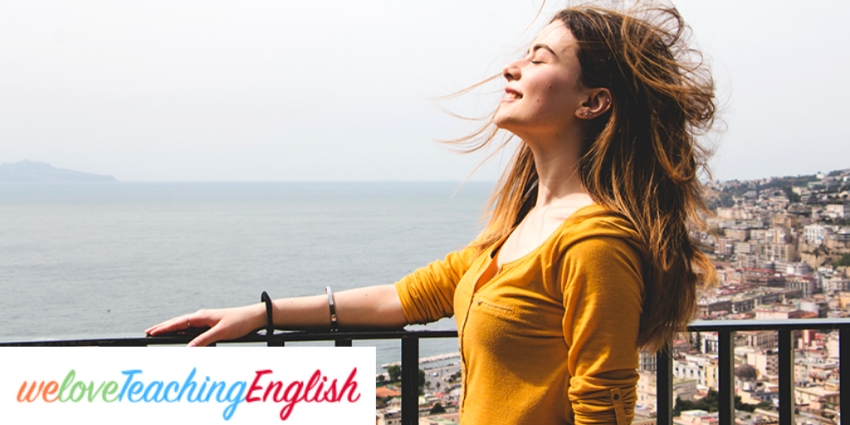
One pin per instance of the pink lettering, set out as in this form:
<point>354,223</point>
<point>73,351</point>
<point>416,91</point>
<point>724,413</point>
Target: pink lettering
<point>254,386</point>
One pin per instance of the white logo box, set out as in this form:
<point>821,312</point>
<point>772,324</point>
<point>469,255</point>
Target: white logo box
<point>164,385</point>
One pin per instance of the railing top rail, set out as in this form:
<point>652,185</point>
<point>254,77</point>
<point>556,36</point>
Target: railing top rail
<point>287,336</point>
<point>771,325</point>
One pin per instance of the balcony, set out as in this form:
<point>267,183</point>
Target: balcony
<point>410,358</point>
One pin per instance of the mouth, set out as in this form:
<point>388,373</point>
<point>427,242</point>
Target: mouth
<point>512,94</point>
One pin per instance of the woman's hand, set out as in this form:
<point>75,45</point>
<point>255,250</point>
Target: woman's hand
<point>224,324</point>
<point>373,307</point>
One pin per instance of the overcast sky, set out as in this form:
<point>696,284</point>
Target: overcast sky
<point>343,89</point>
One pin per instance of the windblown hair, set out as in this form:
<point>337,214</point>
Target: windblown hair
<point>642,158</point>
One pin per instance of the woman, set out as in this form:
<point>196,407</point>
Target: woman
<point>586,256</point>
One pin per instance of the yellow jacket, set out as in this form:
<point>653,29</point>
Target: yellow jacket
<point>551,338</point>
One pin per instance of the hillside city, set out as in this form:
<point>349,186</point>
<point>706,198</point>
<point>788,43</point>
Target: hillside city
<point>781,249</point>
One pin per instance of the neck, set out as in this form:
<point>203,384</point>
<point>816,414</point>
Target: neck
<point>557,161</point>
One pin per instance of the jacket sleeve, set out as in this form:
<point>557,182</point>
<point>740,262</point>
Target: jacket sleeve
<point>602,288</point>
<point>427,294</point>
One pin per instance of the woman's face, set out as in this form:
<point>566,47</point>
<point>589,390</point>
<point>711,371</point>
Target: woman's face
<point>543,93</point>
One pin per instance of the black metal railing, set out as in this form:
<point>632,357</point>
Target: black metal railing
<point>410,358</point>
<point>726,364</point>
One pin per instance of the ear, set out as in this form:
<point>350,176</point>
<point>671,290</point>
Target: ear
<point>597,102</point>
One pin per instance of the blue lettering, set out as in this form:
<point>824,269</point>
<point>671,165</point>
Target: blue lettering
<point>126,385</point>
<point>190,384</point>
<point>201,392</point>
<point>221,387</point>
<point>135,389</point>
<point>234,399</point>
<point>172,386</point>
<point>155,396</point>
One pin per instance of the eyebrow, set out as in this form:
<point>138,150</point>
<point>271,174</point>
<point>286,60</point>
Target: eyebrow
<point>537,47</point>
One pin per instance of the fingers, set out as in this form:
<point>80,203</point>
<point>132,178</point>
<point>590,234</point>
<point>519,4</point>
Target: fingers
<point>179,323</point>
<point>214,334</point>
<point>172,325</point>
<point>224,324</point>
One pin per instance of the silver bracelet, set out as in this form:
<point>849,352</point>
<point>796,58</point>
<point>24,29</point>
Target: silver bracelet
<point>332,308</point>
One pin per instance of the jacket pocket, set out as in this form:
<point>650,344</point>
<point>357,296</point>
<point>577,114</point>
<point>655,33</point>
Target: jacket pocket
<point>493,307</point>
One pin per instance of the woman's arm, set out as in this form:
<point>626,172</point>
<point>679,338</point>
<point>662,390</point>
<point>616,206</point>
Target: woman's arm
<point>369,307</point>
<point>428,294</point>
<point>602,299</point>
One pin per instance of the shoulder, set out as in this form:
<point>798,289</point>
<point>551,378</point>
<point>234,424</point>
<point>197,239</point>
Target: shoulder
<point>599,245</point>
<point>595,227</point>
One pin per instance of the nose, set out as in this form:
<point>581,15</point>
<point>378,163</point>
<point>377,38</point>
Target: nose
<point>512,71</point>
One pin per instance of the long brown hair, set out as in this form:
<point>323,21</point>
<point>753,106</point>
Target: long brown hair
<point>642,158</point>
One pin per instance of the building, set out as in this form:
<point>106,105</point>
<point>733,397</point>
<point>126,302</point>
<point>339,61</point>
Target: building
<point>697,417</point>
<point>837,211</point>
<point>739,234</point>
<point>742,303</point>
<point>724,246</point>
<point>708,307</point>
<point>815,234</point>
<point>838,240</point>
<point>388,417</point>
<point>766,362</point>
<point>816,394</point>
<point>647,361</point>
<point>695,368</point>
<point>763,277</point>
<point>745,248</point>
<point>786,252</point>
<point>686,389</point>
<point>808,285</point>
<point>759,340</point>
<point>836,284</point>
<point>778,314</point>
<point>821,308</point>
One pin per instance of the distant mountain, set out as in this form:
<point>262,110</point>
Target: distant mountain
<point>40,172</point>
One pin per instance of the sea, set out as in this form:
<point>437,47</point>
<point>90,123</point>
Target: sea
<point>111,259</point>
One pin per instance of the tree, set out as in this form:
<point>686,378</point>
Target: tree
<point>843,261</point>
<point>792,197</point>
<point>437,409</point>
<point>422,381</point>
<point>380,380</point>
<point>710,403</point>
<point>395,373</point>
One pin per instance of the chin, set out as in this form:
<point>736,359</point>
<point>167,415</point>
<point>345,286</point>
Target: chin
<point>508,125</point>
<point>503,123</point>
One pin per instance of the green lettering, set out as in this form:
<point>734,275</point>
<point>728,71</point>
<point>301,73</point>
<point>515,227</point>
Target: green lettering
<point>69,379</point>
<point>111,388</point>
<point>82,387</point>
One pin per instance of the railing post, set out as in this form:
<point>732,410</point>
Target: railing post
<point>844,365</point>
<point>664,387</point>
<point>786,377</point>
<point>726,378</point>
<point>409,380</point>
